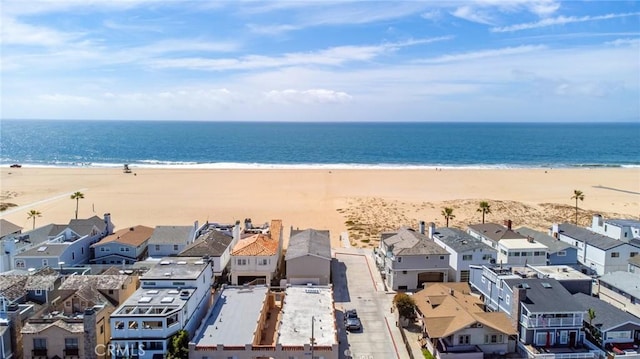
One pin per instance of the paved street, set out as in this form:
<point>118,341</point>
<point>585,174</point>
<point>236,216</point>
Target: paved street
<point>358,286</point>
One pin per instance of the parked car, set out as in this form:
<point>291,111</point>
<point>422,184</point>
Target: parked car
<point>351,320</point>
<point>353,324</point>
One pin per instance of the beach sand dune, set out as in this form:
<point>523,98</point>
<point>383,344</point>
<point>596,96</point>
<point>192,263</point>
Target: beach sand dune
<point>363,202</point>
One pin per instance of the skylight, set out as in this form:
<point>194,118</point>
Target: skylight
<point>144,300</point>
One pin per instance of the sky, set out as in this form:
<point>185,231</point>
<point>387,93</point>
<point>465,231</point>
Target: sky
<point>444,61</point>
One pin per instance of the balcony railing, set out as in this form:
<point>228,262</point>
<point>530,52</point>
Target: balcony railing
<point>551,322</point>
<point>39,353</point>
<point>68,352</point>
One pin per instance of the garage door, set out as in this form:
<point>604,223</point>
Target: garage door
<point>430,277</point>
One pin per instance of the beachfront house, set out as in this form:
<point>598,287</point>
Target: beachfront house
<point>64,245</point>
<point>522,252</point>
<point>308,257</point>
<point>125,246</point>
<point>455,325</point>
<point>548,322</point>
<point>214,243</point>
<point>276,325</point>
<point>257,257</point>
<point>559,252</point>
<point>572,279</point>
<point>600,253</point>
<point>620,289</point>
<point>174,295</point>
<point>611,328</point>
<point>464,251</point>
<point>492,233</point>
<point>407,259</point>
<point>170,240</point>
<point>626,230</point>
<point>9,233</point>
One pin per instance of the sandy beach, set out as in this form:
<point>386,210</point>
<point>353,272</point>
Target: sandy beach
<point>362,202</point>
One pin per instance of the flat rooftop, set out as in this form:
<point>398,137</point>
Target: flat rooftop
<point>233,319</point>
<point>560,272</point>
<point>154,302</point>
<point>521,244</point>
<point>187,268</point>
<point>302,305</point>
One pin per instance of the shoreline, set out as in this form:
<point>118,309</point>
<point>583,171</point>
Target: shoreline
<point>338,200</point>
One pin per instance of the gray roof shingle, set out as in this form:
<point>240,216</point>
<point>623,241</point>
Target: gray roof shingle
<point>459,240</point>
<point>309,242</point>
<point>171,234</point>
<point>213,244</point>
<point>409,242</point>
<point>495,232</point>
<point>540,299</point>
<point>553,244</point>
<point>591,238</point>
<point>607,316</point>
<point>7,228</point>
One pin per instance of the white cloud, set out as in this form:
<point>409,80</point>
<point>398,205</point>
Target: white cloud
<point>484,54</point>
<point>474,15</point>
<point>13,32</point>
<point>560,20</point>
<point>312,96</point>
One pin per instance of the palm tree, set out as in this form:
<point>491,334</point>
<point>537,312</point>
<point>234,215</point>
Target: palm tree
<point>447,213</point>
<point>485,208</point>
<point>577,195</point>
<point>33,214</point>
<point>77,196</point>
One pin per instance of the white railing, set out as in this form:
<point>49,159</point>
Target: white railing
<point>551,322</point>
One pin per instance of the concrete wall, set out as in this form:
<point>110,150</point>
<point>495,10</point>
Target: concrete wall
<point>301,269</point>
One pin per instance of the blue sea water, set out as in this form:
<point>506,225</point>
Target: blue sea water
<point>317,145</point>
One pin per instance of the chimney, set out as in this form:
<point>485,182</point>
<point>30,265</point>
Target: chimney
<point>452,292</point>
<point>90,337</point>
<point>530,239</point>
<point>554,230</point>
<point>519,294</point>
<point>236,231</point>
<point>247,223</point>
<point>107,221</point>
<point>15,326</point>
<point>432,229</point>
<point>508,223</point>
<point>596,221</point>
<point>421,227</point>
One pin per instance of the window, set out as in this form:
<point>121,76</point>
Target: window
<point>39,343</point>
<point>121,249</point>
<point>45,262</point>
<point>562,253</point>
<point>404,272</point>
<point>538,254</point>
<point>119,324</point>
<point>441,258</point>
<point>516,254</point>
<point>38,292</point>
<point>175,247</point>
<point>615,254</point>
<point>487,257</point>
<point>20,263</point>
<point>127,249</point>
<point>263,261</point>
<point>101,249</point>
<point>493,338</point>
<point>503,252</point>
<point>101,328</point>
<point>241,261</point>
<point>400,259</point>
<point>463,339</point>
<point>507,299</point>
<point>564,337</point>
<point>82,250</point>
<point>467,257</point>
<point>633,254</point>
<point>71,343</point>
<point>179,284</point>
<point>157,247</point>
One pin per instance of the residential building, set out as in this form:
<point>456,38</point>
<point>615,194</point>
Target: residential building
<point>21,286</point>
<point>82,335</point>
<point>125,246</point>
<point>174,295</point>
<point>257,257</point>
<point>214,243</point>
<point>625,230</point>
<point>111,284</point>
<point>620,289</point>
<point>455,324</point>
<point>572,279</point>
<point>611,328</point>
<point>521,252</point>
<point>464,251</point>
<point>559,252</point>
<point>276,325</point>
<point>492,233</point>
<point>171,240</point>
<point>408,259</point>
<point>598,252</point>
<point>308,257</point>
<point>634,265</point>
<point>8,234</point>
<point>67,245</point>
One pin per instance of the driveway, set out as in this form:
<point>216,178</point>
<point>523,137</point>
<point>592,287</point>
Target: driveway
<point>357,286</point>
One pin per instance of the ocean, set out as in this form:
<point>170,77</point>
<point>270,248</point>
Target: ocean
<point>58,143</point>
